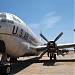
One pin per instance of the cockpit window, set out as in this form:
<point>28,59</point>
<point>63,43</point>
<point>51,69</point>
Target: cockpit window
<point>2,15</point>
<point>10,21</point>
<point>5,20</point>
<point>15,19</point>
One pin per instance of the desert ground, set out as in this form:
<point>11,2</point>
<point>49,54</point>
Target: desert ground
<point>32,66</point>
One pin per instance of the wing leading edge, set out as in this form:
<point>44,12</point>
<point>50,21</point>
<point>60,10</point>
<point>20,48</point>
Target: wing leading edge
<point>60,46</point>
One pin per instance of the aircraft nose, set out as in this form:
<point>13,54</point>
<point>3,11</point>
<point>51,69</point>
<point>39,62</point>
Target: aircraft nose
<point>6,26</point>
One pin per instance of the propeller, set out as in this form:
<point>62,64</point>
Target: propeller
<point>43,53</point>
<point>55,38</point>
<point>44,37</point>
<point>58,36</point>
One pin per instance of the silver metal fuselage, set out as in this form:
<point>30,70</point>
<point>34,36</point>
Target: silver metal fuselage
<point>17,36</point>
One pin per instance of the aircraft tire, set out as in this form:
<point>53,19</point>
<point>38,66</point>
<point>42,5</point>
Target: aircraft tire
<point>50,57</point>
<point>7,69</point>
<point>2,46</point>
<point>48,54</point>
<point>1,68</point>
<point>54,56</point>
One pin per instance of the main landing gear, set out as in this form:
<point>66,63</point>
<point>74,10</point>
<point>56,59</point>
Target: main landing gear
<point>4,69</point>
<point>52,56</point>
<point>4,65</point>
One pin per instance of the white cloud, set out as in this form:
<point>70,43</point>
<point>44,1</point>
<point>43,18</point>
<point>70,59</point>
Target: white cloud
<point>48,21</point>
<point>33,26</point>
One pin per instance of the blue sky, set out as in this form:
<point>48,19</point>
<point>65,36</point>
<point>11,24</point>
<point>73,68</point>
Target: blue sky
<point>49,16</point>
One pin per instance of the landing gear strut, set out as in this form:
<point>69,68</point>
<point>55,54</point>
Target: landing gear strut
<point>13,59</point>
<point>54,56</point>
<point>50,56</point>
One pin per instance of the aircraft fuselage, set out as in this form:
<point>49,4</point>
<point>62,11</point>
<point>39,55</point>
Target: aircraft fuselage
<point>17,36</point>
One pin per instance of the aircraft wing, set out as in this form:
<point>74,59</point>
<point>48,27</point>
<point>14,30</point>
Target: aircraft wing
<point>60,46</point>
<point>67,45</point>
<point>41,48</point>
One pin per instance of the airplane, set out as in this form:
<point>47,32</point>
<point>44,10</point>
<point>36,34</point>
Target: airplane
<point>20,41</point>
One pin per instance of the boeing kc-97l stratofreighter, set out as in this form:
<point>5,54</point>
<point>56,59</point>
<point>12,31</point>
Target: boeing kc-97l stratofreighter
<point>19,40</point>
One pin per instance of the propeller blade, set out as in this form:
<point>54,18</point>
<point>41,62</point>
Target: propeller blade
<point>58,36</point>
<point>43,53</point>
<point>44,37</point>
